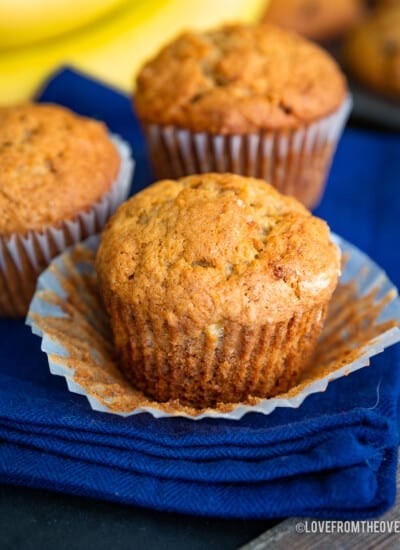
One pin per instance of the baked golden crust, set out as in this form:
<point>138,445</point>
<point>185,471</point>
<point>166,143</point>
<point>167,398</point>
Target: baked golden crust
<point>54,164</point>
<point>316,19</point>
<point>239,79</point>
<point>215,248</point>
<point>372,51</point>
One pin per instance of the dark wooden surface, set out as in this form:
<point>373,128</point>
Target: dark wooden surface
<point>40,520</point>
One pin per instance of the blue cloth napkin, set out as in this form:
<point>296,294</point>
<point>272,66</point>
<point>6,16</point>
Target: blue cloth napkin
<point>333,457</point>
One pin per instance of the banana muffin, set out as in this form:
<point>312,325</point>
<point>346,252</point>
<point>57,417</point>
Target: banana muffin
<point>254,100</point>
<point>383,4</point>
<point>55,167</point>
<point>216,286</point>
<point>372,52</point>
<point>322,20</point>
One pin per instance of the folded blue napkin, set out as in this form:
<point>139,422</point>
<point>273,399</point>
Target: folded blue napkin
<point>334,457</point>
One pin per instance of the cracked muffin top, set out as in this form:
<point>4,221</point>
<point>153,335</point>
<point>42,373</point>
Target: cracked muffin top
<point>210,248</point>
<point>239,79</point>
<point>53,165</point>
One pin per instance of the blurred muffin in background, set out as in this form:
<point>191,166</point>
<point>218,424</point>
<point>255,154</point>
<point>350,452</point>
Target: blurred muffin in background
<point>384,3</point>
<point>320,20</point>
<point>372,52</point>
<point>254,100</point>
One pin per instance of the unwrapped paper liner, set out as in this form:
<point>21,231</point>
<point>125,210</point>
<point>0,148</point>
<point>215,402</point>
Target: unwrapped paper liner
<point>296,161</point>
<point>24,256</point>
<point>364,289</point>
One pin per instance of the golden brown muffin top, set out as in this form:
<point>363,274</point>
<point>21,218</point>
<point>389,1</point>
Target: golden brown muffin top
<point>239,79</point>
<point>210,248</point>
<point>372,51</point>
<point>315,19</point>
<point>53,165</point>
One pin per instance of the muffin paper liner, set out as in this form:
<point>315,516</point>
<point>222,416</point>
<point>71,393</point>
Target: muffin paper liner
<point>295,161</point>
<point>66,312</point>
<point>24,256</point>
<point>226,362</point>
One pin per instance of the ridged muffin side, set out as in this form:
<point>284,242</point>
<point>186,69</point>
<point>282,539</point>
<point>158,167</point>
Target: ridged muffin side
<point>216,286</point>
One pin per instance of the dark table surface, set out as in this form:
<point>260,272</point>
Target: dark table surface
<point>37,519</point>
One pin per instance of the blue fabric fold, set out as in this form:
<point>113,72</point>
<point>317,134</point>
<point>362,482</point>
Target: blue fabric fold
<point>333,457</point>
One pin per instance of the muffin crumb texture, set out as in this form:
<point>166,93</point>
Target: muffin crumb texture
<point>216,286</point>
<point>53,165</point>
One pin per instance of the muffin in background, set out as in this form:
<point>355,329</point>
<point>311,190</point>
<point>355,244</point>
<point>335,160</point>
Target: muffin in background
<point>372,52</point>
<point>320,20</point>
<point>61,176</point>
<point>216,286</point>
<point>385,3</point>
<point>254,100</point>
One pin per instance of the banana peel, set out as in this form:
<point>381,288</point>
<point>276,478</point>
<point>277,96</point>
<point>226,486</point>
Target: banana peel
<point>114,47</point>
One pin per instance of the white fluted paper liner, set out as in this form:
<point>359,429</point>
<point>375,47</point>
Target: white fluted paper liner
<point>295,161</point>
<point>23,257</point>
<point>360,272</point>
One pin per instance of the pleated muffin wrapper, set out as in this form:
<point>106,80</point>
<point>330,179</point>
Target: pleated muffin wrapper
<point>24,256</point>
<point>67,313</point>
<point>224,363</point>
<point>295,161</point>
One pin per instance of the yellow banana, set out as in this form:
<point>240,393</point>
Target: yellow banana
<point>26,21</point>
<point>114,47</point>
